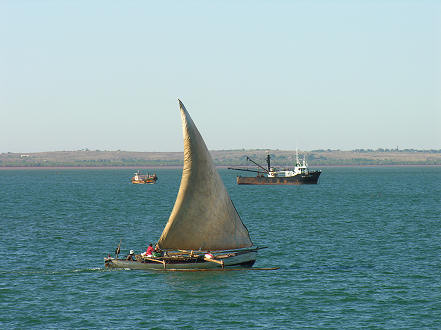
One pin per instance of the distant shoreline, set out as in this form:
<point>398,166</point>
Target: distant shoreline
<point>173,167</point>
<point>222,158</point>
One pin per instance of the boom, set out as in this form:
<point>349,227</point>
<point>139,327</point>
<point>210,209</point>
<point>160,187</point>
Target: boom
<point>252,161</point>
<point>244,169</point>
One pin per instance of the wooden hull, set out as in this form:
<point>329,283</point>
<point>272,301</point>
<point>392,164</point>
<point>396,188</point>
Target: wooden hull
<point>242,258</point>
<point>311,178</point>
<point>150,181</point>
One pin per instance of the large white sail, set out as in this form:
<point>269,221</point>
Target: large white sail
<point>203,216</point>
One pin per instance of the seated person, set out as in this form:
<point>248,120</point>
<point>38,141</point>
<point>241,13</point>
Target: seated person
<point>208,255</point>
<point>157,252</point>
<point>149,251</point>
<point>131,256</point>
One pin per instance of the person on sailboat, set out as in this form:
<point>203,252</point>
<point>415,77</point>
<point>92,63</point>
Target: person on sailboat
<point>158,252</point>
<point>131,256</point>
<point>149,251</point>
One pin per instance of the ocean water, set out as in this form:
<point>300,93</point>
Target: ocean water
<point>362,249</point>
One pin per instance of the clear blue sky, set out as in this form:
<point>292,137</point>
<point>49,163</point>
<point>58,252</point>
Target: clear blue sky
<point>253,74</point>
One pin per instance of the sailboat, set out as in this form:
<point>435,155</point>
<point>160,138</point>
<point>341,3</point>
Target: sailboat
<point>204,230</point>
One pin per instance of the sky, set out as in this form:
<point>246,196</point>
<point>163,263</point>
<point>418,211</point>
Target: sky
<point>106,75</point>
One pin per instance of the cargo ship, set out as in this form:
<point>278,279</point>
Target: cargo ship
<point>144,178</point>
<point>300,174</point>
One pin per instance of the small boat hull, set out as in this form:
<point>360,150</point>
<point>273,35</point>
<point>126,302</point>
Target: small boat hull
<point>242,258</point>
<point>311,178</point>
<point>147,181</point>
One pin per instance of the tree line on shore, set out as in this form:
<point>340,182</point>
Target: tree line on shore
<point>97,158</point>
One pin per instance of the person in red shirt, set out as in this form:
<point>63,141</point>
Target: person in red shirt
<point>149,251</point>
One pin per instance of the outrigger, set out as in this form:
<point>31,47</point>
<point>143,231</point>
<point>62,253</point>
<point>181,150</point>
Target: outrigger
<point>172,260</point>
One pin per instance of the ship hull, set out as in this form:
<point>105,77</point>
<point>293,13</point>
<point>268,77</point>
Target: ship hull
<point>311,178</point>
<point>241,259</point>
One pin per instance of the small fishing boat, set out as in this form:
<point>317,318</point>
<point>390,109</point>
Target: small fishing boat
<point>300,174</point>
<point>148,178</point>
<point>204,230</point>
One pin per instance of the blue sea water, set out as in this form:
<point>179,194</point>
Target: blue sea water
<point>362,249</point>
